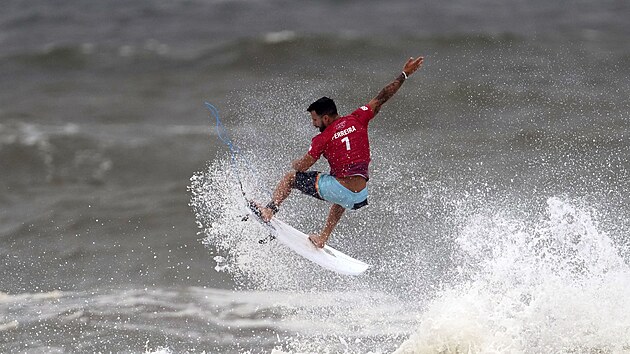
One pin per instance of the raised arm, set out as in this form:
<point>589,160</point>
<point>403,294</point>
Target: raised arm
<point>388,91</point>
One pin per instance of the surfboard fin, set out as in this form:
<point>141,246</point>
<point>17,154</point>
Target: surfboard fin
<point>267,239</point>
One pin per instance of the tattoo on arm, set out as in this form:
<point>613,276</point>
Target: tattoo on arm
<point>387,92</point>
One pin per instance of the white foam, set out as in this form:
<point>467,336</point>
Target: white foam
<point>554,285</point>
<point>220,210</point>
<point>279,37</point>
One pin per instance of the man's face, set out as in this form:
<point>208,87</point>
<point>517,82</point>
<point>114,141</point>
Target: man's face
<point>319,122</point>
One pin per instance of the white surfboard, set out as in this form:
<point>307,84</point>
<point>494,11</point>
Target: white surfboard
<point>326,257</point>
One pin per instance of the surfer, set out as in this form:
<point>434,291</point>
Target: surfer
<point>343,141</point>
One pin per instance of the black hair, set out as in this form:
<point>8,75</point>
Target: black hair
<point>323,106</point>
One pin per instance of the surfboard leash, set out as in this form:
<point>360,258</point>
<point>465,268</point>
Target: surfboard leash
<point>225,139</point>
<point>236,156</point>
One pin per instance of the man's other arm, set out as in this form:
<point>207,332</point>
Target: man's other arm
<point>388,91</point>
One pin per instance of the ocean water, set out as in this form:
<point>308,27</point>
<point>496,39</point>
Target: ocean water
<point>498,216</point>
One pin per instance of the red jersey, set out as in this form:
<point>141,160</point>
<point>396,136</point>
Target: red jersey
<point>345,144</point>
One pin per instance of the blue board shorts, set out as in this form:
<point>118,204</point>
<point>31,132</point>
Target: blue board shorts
<point>326,187</point>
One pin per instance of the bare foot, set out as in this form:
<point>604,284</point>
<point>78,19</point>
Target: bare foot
<point>317,240</point>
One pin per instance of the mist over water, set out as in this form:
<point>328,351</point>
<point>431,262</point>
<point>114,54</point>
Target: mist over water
<point>498,194</point>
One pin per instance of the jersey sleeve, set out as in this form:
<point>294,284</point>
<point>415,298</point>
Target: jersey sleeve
<point>317,147</point>
<point>363,114</point>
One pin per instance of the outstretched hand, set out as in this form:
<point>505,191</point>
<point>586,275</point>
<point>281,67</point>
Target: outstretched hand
<point>412,65</point>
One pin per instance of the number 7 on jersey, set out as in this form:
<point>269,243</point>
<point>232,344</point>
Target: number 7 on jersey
<point>347,141</point>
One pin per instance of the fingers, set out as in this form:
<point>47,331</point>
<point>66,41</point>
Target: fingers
<point>417,62</point>
<point>413,64</point>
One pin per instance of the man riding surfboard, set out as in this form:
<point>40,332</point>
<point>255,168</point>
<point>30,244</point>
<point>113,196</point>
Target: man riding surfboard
<point>343,141</point>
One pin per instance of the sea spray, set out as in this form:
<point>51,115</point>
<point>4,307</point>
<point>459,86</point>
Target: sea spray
<point>221,216</point>
<point>555,284</point>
